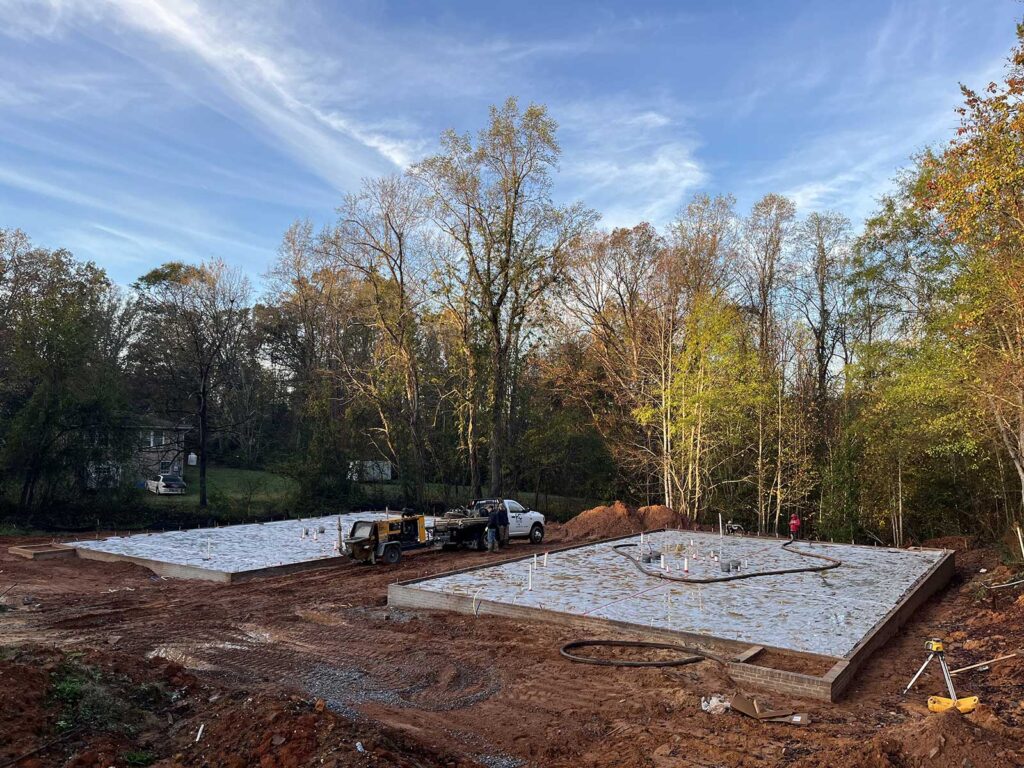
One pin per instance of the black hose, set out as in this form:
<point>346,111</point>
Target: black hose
<point>832,563</point>
<point>695,655</point>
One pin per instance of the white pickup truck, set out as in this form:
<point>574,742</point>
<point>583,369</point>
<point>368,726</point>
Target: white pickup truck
<point>467,526</point>
<point>522,522</point>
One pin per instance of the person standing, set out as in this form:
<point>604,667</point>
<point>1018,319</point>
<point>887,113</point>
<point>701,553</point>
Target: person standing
<point>493,525</point>
<point>794,527</point>
<point>502,524</point>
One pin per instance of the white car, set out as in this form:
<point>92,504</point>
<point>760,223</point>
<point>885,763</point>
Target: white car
<point>165,484</point>
<point>522,522</point>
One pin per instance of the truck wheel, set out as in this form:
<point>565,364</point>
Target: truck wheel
<point>537,533</point>
<point>392,554</point>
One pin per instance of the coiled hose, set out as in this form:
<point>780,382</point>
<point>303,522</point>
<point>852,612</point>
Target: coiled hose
<point>692,656</point>
<point>831,563</point>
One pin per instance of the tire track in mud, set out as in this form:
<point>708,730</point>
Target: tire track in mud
<point>325,631</point>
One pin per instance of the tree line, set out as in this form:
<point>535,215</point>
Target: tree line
<point>460,323</point>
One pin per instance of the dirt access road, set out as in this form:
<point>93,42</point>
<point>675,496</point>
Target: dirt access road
<point>251,660</point>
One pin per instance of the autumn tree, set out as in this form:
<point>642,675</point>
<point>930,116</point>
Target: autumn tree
<point>616,307</point>
<point>977,186</point>
<point>307,322</point>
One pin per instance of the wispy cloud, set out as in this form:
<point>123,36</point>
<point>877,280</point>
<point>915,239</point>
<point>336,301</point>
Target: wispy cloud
<point>250,69</point>
<point>632,161</point>
<point>123,122</point>
<point>179,221</point>
<point>874,116</point>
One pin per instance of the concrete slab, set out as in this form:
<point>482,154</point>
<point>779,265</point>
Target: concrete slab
<point>231,553</point>
<point>840,614</point>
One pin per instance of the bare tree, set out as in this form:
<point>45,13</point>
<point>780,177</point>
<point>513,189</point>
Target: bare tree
<point>493,198</point>
<point>824,242</point>
<point>766,232</point>
<point>379,237</point>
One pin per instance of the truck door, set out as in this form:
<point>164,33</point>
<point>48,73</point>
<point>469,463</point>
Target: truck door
<point>517,521</point>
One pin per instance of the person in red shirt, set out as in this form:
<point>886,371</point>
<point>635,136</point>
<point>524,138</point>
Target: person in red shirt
<point>794,526</point>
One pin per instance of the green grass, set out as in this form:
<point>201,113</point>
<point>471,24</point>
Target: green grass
<point>10,529</point>
<point>139,758</point>
<point>245,487</point>
<point>88,698</point>
<point>239,494</point>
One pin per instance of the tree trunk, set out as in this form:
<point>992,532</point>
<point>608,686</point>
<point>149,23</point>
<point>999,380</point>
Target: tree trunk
<point>1013,439</point>
<point>898,528</point>
<point>762,510</point>
<point>778,453</point>
<point>497,446</point>
<point>203,413</point>
<point>416,434</point>
<point>28,489</point>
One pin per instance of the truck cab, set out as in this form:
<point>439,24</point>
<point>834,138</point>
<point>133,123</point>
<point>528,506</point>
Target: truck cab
<point>522,521</point>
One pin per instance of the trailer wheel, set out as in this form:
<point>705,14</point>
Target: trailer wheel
<point>480,543</point>
<point>537,533</point>
<point>392,554</point>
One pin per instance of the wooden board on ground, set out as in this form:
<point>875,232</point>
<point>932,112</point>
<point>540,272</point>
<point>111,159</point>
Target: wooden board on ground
<point>41,551</point>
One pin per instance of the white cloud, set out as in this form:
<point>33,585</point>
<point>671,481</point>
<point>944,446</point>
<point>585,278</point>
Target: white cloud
<point>869,123</point>
<point>186,223</point>
<point>252,69</point>
<point>632,161</point>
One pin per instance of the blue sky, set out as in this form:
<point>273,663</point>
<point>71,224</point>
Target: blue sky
<point>138,131</point>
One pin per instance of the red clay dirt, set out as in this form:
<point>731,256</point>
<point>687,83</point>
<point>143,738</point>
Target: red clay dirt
<point>620,519</point>
<point>422,689</point>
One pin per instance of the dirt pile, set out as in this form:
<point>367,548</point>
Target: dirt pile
<point>949,738</point>
<point>957,543</point>
<point>620,519</point>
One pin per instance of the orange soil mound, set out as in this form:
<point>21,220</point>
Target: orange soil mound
<point>979,740</point>
<point>620,519</point>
